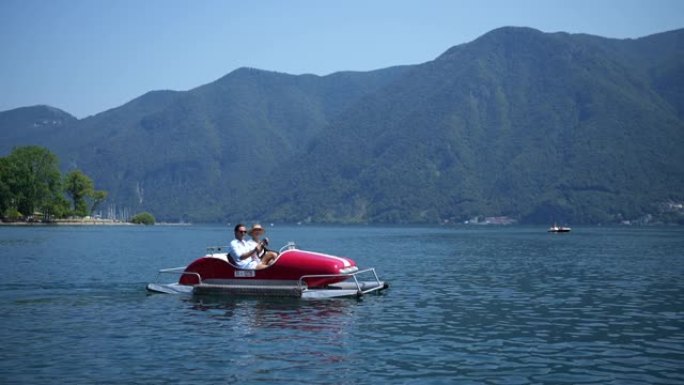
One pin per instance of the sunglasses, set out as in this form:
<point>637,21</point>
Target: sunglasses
<point>242,231</point>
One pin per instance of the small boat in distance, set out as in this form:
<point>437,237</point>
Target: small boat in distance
<point>559,229</point>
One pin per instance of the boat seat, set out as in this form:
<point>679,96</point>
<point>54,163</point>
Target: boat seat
<point>221,256</point>
<point>226,257</point>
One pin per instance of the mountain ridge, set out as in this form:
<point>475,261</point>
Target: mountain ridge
<point>513,123</point>
<point>490,189</point>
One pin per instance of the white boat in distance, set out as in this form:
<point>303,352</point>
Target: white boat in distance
<point>559,229</point>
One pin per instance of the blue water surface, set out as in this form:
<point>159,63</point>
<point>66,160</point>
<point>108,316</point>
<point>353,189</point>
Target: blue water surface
<point>466,305</point>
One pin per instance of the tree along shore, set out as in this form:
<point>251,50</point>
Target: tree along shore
<point>70,222</point>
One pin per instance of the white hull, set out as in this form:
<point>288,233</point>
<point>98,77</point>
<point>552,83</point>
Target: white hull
<point>281,289</point>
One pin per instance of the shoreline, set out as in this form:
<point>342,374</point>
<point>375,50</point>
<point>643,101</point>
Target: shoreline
<point>87,222</point>
<point>71,222</point>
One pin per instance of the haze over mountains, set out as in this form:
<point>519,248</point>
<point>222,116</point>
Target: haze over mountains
<point>535,126</point>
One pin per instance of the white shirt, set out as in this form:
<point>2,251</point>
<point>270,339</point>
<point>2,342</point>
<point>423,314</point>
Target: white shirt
<point>238,248</point>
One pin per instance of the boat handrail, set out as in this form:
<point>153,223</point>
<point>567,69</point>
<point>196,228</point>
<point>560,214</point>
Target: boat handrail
<point>179,271</point>
<point>288,246</point>
<point>302,285</point>
<point>217,249</point>
<point>172,269</point>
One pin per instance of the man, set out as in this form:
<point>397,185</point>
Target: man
<point>244,252</point>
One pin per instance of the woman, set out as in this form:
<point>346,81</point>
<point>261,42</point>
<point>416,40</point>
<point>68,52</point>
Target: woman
<point>267,256</point>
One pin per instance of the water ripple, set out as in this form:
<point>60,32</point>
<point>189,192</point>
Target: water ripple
<point>506,306</point>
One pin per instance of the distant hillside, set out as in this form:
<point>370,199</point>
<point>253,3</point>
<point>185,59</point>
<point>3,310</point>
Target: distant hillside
<point>539,127</point>
<point>190,155</point>
<point>535,126</point>
<point>31,125</point>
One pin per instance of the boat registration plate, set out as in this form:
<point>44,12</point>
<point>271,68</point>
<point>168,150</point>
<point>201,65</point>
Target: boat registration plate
<point>244,273</point>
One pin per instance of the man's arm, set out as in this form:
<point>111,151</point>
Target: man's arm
<point>240,252</point>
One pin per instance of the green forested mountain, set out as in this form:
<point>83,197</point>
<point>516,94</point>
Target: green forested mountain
<point>31,125</point>
<point>539,127</point>
<point>189,155</point>
<point>535,126</point>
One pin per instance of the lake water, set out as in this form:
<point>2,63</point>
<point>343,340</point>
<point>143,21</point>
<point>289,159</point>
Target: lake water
<point>466,305</point>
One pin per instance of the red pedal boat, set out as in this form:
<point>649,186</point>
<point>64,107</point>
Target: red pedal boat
<point>295,273</point>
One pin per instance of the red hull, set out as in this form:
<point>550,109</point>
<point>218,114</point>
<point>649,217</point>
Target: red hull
<point>291,265</point>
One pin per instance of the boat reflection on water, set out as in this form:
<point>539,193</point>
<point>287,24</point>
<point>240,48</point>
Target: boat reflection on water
<point>260,314</point>
<point>255,331</point>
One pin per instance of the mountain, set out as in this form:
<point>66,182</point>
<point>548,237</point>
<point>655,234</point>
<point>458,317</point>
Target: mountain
<point>31,125</point>
<point>536,126</point>
<point>190,155</point>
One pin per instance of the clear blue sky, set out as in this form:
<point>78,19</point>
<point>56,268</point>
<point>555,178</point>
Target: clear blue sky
<point>86,56</point>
